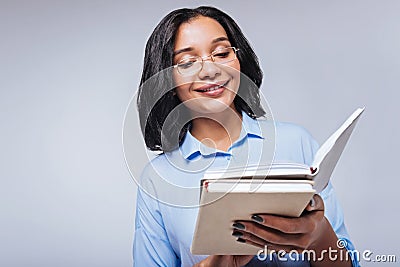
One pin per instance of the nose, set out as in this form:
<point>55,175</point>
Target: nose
<point>210,70</point>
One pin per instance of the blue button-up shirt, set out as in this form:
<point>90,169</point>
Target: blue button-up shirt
<point>169,190</point>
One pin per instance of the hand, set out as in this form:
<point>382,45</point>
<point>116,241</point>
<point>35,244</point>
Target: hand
<point>283,232</point>
<point>310,231</point>
<point>224,261</point>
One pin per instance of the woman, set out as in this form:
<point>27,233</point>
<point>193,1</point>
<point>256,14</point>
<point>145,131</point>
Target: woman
<point>199,104</point>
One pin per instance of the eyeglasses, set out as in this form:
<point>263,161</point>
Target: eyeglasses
<point>191,65</point>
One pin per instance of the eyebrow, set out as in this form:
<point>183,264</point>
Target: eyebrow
<point>188,49</point>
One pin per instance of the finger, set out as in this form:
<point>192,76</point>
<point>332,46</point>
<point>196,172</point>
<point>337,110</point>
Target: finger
<point>266,246</point>
<point>267,234</point>
<point>250,242</point>
<point>289,225</point>
<point>248,238</point>
<point>292,225</point>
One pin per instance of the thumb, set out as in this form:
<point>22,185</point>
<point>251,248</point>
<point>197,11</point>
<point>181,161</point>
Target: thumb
<point>316,204</point>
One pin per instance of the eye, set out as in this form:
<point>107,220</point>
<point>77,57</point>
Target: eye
<point>221,54</point>
<point>187,63</point>
<point>224,54</point>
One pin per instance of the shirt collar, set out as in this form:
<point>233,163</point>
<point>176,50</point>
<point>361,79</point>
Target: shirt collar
<point>192,147</point>
<point>251,126</point>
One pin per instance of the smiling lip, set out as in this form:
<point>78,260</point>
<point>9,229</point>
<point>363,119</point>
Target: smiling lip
<point>212,89</point>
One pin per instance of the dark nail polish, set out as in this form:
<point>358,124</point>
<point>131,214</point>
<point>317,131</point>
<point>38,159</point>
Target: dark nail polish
<point>241,240</point>
<point>237,234</point>
<point>238,225</point>
<point>257,218</point>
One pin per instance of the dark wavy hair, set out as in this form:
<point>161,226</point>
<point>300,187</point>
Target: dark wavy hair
<point>156,99</point>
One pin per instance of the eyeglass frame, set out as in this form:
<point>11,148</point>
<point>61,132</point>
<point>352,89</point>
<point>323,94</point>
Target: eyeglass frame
<point>235,50</point>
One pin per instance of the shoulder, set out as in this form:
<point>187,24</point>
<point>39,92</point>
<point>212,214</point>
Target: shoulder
<point>292,142</point>
<point>286,130</point>
<point>167,166</point>
<point>152,179</point>
<point>158,162</point>
<point>290,131</point>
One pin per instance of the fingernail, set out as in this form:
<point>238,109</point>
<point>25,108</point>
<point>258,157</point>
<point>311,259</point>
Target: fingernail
<point>238,225</point>
<point>237,234</point>
<point>257,218</point>
<point>241,240</point>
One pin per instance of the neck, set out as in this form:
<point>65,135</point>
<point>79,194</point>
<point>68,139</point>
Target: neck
<point>218,130</point>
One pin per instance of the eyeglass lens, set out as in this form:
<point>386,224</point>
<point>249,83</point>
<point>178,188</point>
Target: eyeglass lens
<point>192,65</point>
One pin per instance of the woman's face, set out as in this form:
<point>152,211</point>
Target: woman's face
<point>213,88</point>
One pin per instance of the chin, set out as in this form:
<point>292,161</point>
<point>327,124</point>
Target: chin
<point>209,106</point>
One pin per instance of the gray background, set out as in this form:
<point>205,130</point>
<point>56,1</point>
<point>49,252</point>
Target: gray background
<point>68,70</point>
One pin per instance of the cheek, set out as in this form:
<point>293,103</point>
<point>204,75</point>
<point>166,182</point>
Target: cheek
<point>234,72</point>
<point>182,93</point>
<point>177,78</point>
<point>182,85</point>
<point>236,65</point>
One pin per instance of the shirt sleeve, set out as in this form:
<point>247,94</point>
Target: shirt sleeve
<point>334,214</point>
<point>151,246</point>
<point>333,210</point>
